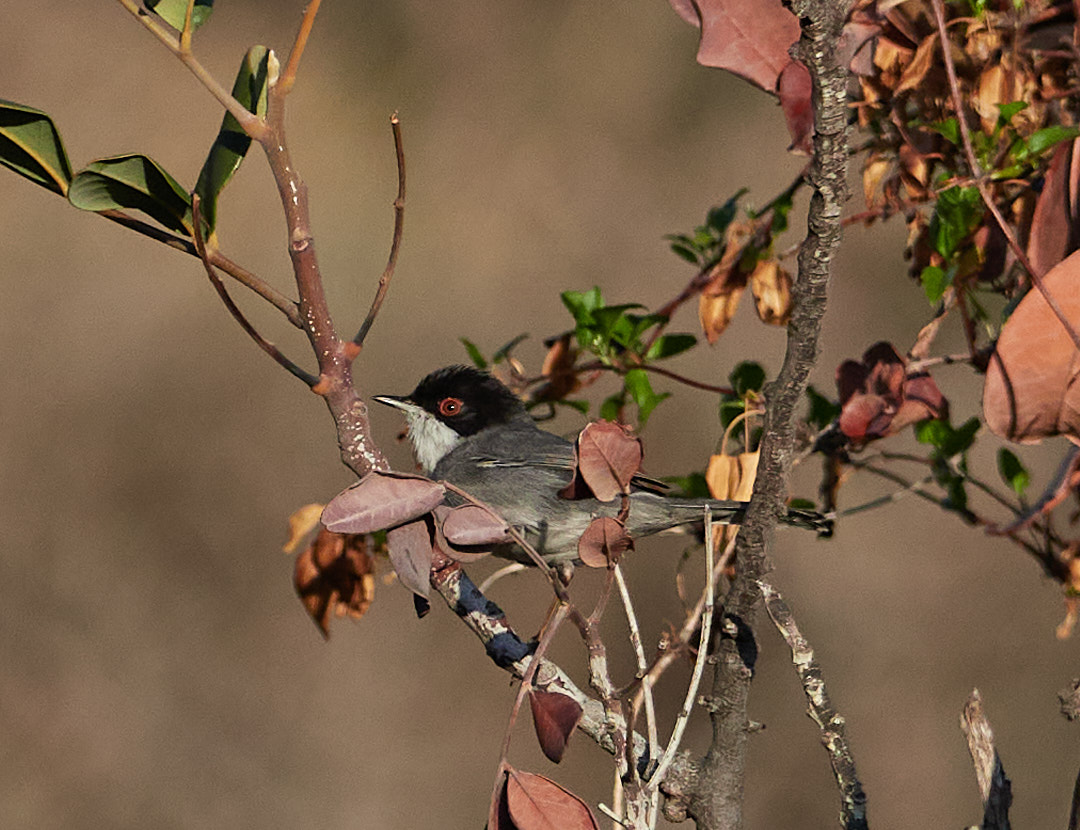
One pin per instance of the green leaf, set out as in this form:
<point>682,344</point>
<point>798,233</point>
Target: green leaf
<point>822,410</point>
<point>581,304</point>
<point>641,392</point>
<point>1012,471</point>
<point>1006,112</point>
<point>504,351</point>
<point>934,282</point>
<point>231,144</point>
<point>1042,140</point>
<point>747,376</point>
<point>730,409</point>
<point>801,504</point>
<point>948,440</point>
<point>609,409</point>
<point>474,353</point>
<point>950,128</point>
<point>692,486</point>
<point>30,145</point>
<point>781,208</point>
<point>580,406</point>
<point>173,12</point>
<point>134,182</point>
<point>669,345</point>
<point>685,251</point>
<point>957,213</point>
<point>721,216</point>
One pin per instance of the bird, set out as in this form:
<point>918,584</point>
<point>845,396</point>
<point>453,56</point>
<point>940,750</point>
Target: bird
<point>467,428</point>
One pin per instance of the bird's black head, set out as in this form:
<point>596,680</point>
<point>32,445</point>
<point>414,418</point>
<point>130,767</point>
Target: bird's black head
<point>466,399</point>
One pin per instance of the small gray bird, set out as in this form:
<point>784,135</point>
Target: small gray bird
<point>468,429</point>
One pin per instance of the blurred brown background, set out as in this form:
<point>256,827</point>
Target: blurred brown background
<point>157,669</point>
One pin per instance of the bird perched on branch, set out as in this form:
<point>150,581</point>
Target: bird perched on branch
<point>468,429</point>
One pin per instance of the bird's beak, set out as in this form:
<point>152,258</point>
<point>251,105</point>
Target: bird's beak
<point>404,404</point>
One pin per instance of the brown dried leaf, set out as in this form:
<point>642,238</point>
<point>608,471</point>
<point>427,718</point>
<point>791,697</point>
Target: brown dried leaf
<point>1055,224</point>
<point>794,88</point>
<point>873,175</point>
<point>334,575</point>
<point>716,311</point>
<point>604,542</point>
<point>721,475</point>
<point>380,500</point>
<point>747,472</point>
<point>558,370</point>
<point>301,523</point>
<point>538,803</point>
<point>470,524</point>
<point>921,63</point>
<point>555,717</point>
<point>608,456</point>
<point>771,286</point>
<point>409,548</point>
<point>1031,390</point>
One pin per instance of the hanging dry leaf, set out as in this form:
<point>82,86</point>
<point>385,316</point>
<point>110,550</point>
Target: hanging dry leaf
<point>716,311</point>
<point>604,542</point>
<point>534,802</point>
<point>771,286</point>
<point>608,456</point>
<point>1031,390</point>
<point>381,500</point>
<point>747,463</point>
<point>560,379</point>
<point>301,523</point>
<point>334,575</point>
<point>721,476</point>
<point>409,548</point>
<point>555,717</point>
<point>1055,224</point>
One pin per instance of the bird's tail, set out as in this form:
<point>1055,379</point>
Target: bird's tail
<point>656,513</point>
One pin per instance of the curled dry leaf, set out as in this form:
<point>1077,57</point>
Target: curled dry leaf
<point>604,542</point>
<point>555,717</point>
<point>381,500</point>
<point>879,398</point>
<point>301,523</point>
<point>534,802</point>
<point>771,286</point>
<point>606,457</point>
<point>1055,225</point>
<point>410,552</point>
<point>470,525</point>
<point>560,379</point>
<point>1031,390</point>
<point>334,575</point>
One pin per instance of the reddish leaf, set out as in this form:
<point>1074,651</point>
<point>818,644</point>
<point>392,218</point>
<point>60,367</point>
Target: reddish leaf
<point>409,547</point>
<point>750,38</point>
<point>555,717</point>
<point>1031,390</point>
<point>794,88</point>
<point>1055,225</point>
<point>608,456</point>
<point>498,814</point>
<point>604,542</point>
<point>334,575</point>
<point>380,500</point>
<point>538,803</point>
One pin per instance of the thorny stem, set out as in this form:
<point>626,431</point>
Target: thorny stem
<point>983,187</point>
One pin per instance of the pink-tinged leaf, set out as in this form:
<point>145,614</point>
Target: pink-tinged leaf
<point>856,48</point>
<point>1031,389</point>
<point>409,548</point>
<point>608,456</point>
<point>794,88</point>
<point>555,717</point>
<point>538,803</point>
<point>380,500</point>
<point>498,813</point>
<point>750,38</point>
<point>604,542</point>
<point>687,11</point>
<point>1055,224</point>
<point>473,525</point>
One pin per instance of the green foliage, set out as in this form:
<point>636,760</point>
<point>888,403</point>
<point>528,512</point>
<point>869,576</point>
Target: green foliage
<point>948,458</point>
<point>706,245</point>
<point>637,384</point>
<point>934,282</point>
<point>135,182</point>
<point>30,145</point>
<point>474,353</point>
<point>1012,471</point>
<point>958,212</point>
<point>232,143</point>
<point>822,410</point>
<point>747,380</point>
<point>173,12</point>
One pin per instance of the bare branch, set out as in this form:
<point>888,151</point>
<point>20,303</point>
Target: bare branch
<point>237,314</point>
<point>395,245</point>
<point>821,711</point>
<point>288,76</point>
<point>994,787</point>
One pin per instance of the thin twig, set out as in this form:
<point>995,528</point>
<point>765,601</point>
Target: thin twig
<point>237,314</point>
<point>994,786</point>
<point>643,666</point>
<point>395,244</point>
<point>288,76</point>
<point>821,711</point>
<point>512,568</point>
<point>980,182</point>
<point>253,125</point>
<point>699,664</point>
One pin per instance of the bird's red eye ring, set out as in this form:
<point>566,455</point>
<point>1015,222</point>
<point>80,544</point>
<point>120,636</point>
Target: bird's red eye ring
<point>450,406</point>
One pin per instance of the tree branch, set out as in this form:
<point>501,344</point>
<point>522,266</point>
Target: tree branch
<point>994,787</point>
<point>718,793</point>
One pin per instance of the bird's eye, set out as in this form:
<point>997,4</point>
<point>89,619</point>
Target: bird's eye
<point>449,406</point>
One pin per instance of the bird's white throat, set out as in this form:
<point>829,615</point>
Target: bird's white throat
<point>431,439</point>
